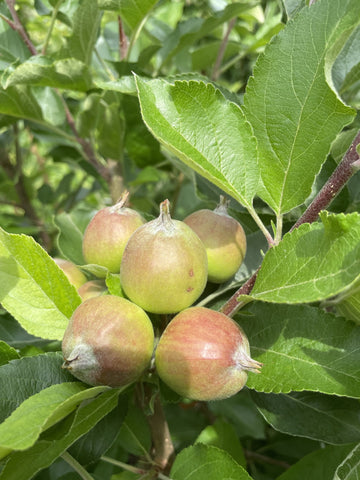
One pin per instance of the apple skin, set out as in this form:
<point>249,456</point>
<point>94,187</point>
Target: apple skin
<point>107,233</point>
<point>73,273</point>
<point>108,341</point>
<point>92,288</point>
<point>224,240</point>
<point>164,266</point>
<point>204,355</point>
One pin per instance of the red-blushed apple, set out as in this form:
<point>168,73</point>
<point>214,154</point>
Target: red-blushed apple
<point>204,355</point>
<point>73,273</point>
<point>109,341</point>
<point>107,233</point>
<point>224,239</point>
<point>164,266</point>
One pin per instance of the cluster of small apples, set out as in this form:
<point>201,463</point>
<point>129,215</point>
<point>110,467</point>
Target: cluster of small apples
<point>164,266</point>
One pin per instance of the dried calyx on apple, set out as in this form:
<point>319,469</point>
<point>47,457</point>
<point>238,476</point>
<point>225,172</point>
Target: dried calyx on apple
<point>164,265</point>
<point>204,355</point>
<point>224,240</point>
<point>109,341</point>
<point>108,232</point>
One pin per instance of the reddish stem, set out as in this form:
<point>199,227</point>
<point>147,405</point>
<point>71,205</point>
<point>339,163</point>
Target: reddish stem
<point>233,305</point>
<point>341,175</point>
<point>18,27</point>
<point>124,44</point>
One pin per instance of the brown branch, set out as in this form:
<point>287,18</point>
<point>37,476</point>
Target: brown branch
<point>90,156</point>
<point>18,26</point>
<point>162,443</point>
<point>216,70</point>
<point>123,40</point>
<point>249,455</point>
<point>233,305</point>
<point>341,175</point>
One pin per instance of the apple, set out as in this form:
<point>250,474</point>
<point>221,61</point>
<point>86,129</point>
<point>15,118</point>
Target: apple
<point>204,355</point>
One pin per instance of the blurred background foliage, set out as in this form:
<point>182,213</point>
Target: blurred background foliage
<point>77,143</point>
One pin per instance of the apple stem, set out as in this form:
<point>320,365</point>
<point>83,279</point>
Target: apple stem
<point>123,199</point>
<point>165,216</point>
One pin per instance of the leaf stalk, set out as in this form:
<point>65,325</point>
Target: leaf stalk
<point>84,474</point>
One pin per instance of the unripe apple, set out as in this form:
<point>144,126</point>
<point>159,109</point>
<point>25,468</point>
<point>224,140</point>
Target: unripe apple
<point>107,233</point>
<point>92,288</point>
<point>204,355</point>
<point>73,273</point>
<point>164,266</point>
<point>108,341</point>
<point>224,240</point>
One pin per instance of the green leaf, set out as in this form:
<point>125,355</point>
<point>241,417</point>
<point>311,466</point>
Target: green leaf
<point>140,145</point>
<point>292,7</point>
<point>222,434</point>
<point>202,462</point>
<point>350,467</point>
<point>324,418</point>
<point>71,228</point>
<point>14,335</point>
<point>42,71</point>
<point>125,84</point>
<point>240,410</point>
<point>134,435</point>
<point>33,288</point>
<point>7,353</point>
<point>23,465</point>
<point>111,146</point>
<point>20,379</point>
<point>294,112</point>
<point>86,24</point>
<point>99,439</point>
<point>302,348</point>
<point>218,145</point>
<point>133,12</point>
<point>42,410</point>
<point>20,102</point>
<point>346,62</point>
<point>321,464</point>
<point>113,284</point>
<point>190,31</point>
<point>313,262</point>
<point>51,106</point>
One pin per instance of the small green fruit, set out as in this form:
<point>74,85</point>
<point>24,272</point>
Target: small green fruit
<point>73,273</point>
<point>164,266</point>
<point>92,288</point>
<point>107,234</point>
<point>109,341</point>
<point>224,240</point>
<point>204,355</point>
